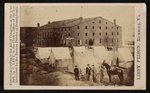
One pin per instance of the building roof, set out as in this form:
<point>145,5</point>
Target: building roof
<point>57,24</point>
<point>71,22</point>
<point>33,28</point>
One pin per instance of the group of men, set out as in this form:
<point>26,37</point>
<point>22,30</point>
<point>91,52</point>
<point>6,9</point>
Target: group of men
<point>90,71</point>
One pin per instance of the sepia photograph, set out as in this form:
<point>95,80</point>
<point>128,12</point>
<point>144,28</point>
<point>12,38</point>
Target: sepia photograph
<point>77,45</point>
<point>63,46</point>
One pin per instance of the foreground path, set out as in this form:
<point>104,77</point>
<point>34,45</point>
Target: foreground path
<point>57,79</point>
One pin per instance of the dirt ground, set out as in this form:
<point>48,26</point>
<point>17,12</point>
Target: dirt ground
<point>59,78</point>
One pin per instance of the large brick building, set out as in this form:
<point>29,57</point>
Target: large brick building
<point>77,32</point>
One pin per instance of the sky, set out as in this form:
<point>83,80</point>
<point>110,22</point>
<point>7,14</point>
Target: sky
<point>33,14</point>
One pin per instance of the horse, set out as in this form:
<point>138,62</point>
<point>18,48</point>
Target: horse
<point>115,71</point>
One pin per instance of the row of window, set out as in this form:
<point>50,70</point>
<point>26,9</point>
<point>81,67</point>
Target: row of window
<point>93,27</point>
<point>86,34</point>
<point>48,34</point>
<point>99,22</point>
<point>40,42</point>
<point>42,35</point>
<point>64,29</point>
<point>100,40</point>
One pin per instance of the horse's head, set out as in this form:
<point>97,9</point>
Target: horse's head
<point>105,65</point>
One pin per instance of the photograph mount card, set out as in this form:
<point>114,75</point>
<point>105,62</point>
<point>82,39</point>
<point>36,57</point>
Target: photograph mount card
<point>75,46</point>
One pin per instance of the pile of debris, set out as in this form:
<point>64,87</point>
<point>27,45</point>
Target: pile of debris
<point>29,64</point>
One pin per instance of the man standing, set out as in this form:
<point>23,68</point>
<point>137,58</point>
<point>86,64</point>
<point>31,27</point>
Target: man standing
<point>117,62</point>
<point>93,73</point>
<point>101,73</point>
<point>88,71</point>
<point>76,72</point>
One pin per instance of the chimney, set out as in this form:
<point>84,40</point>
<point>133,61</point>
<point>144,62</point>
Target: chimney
<point>115,21</point>
<point>38,24</point>
<point>80,18</point>
<point>49,22</point>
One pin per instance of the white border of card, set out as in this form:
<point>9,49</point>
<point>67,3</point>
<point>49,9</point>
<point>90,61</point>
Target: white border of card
<point>11,60</point>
